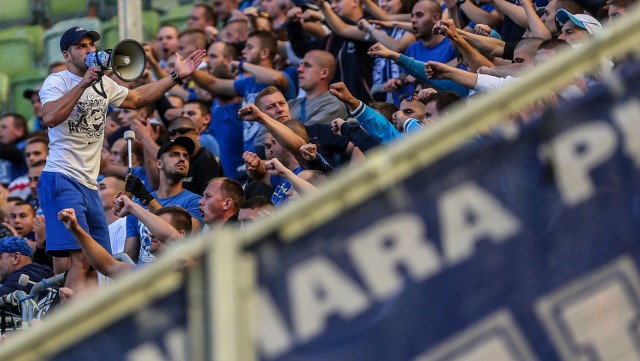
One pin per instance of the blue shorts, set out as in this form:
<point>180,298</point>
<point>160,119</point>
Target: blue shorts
<point>57,191</point>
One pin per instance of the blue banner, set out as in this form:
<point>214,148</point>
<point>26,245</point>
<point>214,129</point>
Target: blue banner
<point>156,332</point>
<point>519,249</point>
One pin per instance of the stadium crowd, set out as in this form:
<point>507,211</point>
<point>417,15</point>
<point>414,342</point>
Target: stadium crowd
<point>248,108</point>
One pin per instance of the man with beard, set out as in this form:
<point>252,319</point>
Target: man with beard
<point>69,180</point>
<point>172,161</point>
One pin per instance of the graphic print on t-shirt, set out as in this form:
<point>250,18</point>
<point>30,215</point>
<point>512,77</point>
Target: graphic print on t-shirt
<point>90,117</point>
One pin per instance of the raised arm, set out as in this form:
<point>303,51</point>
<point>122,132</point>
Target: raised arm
<point>480,16</point>
<point>537,27</point>
<point>472,56</point>
<point>148,93</point>
<point>487,45</point>
<point>436,70</point>
<point>262,74</point>
<point>380,36</point>
<point>97,256</point>
<point>162,230</point>
<point>213,84</point>
<point>255,168</point>
<point>337,25</point>
<point>274,167</point>
<point>285,136</point>
<point>511,10</point>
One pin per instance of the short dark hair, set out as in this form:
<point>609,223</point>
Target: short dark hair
<point>256,202</point>
<point>205,107</point>
<point>209,14</point>
<point>230,188</point>
<point>384,108</point>
<point>19,121</point>
<point>442,99</point>
<point>25,203</point>
<point>180,218</point>
<point>268,40</point>
<point>38,139</point>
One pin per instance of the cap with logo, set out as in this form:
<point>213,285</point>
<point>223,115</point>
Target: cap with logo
<point>186,142</point>
<point>74,35</point>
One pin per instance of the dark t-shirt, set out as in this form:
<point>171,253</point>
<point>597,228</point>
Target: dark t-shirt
<point>202,167</point>
<point>36,273</point>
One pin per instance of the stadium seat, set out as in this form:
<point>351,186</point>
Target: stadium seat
<point>15,12</point>
<point>33,33</point>
<point>18,85</point>
<point>58,10</point>
<point>177,17</point>
<point>4,92</point>
<point>51,38</point>
<point>16,56</point>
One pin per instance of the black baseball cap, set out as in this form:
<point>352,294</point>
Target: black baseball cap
<point>74,35</point>
<point>186,142</point>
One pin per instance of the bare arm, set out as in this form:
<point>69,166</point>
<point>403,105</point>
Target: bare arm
<point>338,26</point>
<point>150,92</point>
<point>97,256</point>
<point>263,74</point>
<point>378,13</point>
<point>513,11</point>
<point>380,36</point>
<point>473,58</point>
<point>537,27</point>
<point>487,45</point>
<point>436,70</point>
<point>285,136</point>
<point>274,167</point>
<point>213,84</point>
<point>479,15</point>
<point>255,168</point>
<point>57,111</point>
<point>162,230</point>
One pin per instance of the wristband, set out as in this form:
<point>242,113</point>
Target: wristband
<point>460,2</point>
<point>176,77</point>
<point>372,27</point>
<point>241,66</point>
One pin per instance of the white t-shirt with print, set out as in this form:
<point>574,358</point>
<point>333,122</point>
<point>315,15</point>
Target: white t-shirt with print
<point>76,143</point>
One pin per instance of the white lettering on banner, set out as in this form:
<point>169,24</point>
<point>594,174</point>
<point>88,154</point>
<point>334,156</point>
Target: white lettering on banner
<point>273,337</point>
<point>496,338</point>
<point>627,117</point>
<point>468,213</point>
<point>318,289</point>
<point>595,318</point>
<point>175,342</point>
<point>398,240</point>
<point>575,153</point>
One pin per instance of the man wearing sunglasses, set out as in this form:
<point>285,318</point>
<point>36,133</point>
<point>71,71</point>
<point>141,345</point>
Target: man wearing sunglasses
<point>203,164</point>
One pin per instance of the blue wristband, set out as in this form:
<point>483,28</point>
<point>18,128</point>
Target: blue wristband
<point>241,66</point>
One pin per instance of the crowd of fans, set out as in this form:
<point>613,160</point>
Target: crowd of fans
<point>288,92</point>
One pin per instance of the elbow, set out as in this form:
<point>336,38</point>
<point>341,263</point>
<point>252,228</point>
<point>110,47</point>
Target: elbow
<point>50,120</point>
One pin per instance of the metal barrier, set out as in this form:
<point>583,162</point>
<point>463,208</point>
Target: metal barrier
<point>220,317</point>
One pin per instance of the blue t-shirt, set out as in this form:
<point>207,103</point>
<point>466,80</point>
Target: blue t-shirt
<point>441,52</point>
<point>135,228</point>
<point>282,186</point>
<point>227,128</point>
<point>249,88</point>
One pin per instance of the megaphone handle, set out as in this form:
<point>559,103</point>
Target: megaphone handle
<point>129,156</point>
<point>102,93</point>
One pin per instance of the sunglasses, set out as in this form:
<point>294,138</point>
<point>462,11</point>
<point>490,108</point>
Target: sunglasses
<point>408,96</point>
<point>181,131</point>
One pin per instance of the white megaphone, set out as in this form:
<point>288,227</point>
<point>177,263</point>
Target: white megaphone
<point>127,60</point>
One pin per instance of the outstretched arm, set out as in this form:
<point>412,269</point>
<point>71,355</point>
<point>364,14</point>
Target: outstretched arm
<point>162,230</point>
<point>148,93</point>
<point>97,256</point>
<point>436,70</point>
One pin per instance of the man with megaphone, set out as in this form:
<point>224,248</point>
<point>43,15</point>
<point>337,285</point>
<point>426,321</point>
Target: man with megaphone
<point>74,104</point>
